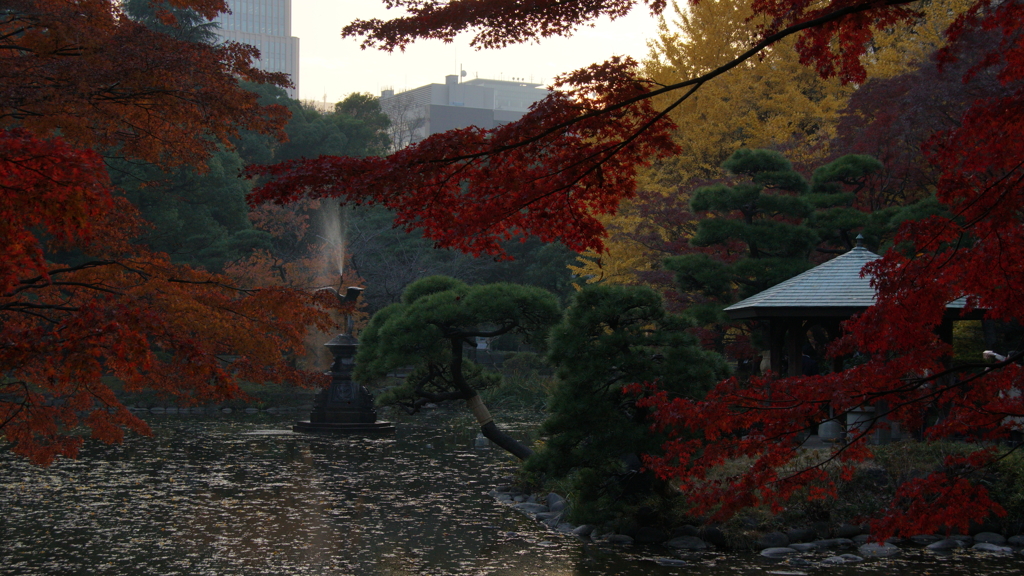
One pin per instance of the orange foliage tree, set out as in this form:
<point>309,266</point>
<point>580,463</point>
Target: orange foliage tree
<point>79,302</point>
<point>294,261</point>
<point>304,255</point>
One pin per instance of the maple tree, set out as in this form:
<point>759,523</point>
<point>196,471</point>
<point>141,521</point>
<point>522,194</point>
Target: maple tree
<point>968,252</point>
<point>301,255</point>
<point>304,245</point>
<point>387,259</point>
<point>198,214</point>
<point>297,257</point>
<point>568,161</point>
<point>110,83</point>
<point>82,303</point>
<point>576,156</point>
<point>515,191</point>
<point>918,102</point>
<point>201,218</point>
<point>178,22</point>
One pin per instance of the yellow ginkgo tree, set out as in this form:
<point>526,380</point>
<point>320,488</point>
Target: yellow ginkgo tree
<point>771,102</point>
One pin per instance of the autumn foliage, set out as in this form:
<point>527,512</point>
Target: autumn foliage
<point>907,378</point>
<point>496,23</point>
<point>79,80</point>
<point>82,306</point>
<point>571,158</point>
<point>575,156</point>
<point>108,82</point>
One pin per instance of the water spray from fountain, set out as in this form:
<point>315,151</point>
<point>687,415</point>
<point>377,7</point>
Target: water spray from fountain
<point>335,228</point>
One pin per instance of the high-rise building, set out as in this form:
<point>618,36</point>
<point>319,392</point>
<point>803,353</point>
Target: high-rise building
<point>267,25</point>
<point>435,108</point>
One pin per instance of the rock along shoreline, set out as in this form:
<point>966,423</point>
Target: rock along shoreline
<point>815,544</point>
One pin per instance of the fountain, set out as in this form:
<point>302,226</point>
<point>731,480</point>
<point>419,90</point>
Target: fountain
<point>344,407</point>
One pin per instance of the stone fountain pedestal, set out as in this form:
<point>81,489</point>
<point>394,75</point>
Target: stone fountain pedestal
<point>344,407</point>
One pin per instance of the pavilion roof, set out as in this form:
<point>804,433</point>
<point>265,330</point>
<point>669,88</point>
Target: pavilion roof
<point>834,289</point>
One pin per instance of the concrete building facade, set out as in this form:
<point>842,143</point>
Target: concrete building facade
<point>267,25</point>
<point>435,108</point>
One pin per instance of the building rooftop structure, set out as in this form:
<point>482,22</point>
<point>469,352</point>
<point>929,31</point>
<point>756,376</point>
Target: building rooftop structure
<point>435,108</point>
<point>267,25</point>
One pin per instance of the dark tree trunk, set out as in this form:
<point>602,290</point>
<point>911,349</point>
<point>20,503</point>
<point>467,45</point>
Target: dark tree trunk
<point>476,405</point>
<point>510,444</point>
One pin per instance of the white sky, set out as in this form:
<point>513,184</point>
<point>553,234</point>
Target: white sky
<point>337,67</point>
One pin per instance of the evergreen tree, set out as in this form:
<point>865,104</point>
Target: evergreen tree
<point>613,336</point>
<point>762,228</point>
<point>389,259</point>
<point>428,329</point>
<point>752,238</point>
<point>770,101</point>
<point>771,224</point>
<point>200,219</point>
<point>356,127</point>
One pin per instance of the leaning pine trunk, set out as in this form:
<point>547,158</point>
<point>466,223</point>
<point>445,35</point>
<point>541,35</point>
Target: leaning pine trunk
<point>491,431</point>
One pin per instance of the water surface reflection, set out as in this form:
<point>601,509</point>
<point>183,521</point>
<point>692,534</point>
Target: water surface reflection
<point>245,496</point>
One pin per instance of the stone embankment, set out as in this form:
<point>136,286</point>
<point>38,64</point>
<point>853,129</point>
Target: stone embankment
<point>209,410</point>
<point>815,544</point>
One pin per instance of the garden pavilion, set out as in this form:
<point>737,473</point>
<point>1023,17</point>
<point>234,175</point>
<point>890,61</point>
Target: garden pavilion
<point>824,296</point>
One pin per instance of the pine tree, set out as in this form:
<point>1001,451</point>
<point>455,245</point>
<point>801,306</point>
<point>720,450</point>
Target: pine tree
<point>427,330</point>
<point>756,221</point>
<point>613,336</point>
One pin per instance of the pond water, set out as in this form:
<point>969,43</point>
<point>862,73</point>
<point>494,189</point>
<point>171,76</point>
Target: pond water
<point>245,496</point>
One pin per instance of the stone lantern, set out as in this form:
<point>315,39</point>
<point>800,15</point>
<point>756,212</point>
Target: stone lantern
<point>344,407</point>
